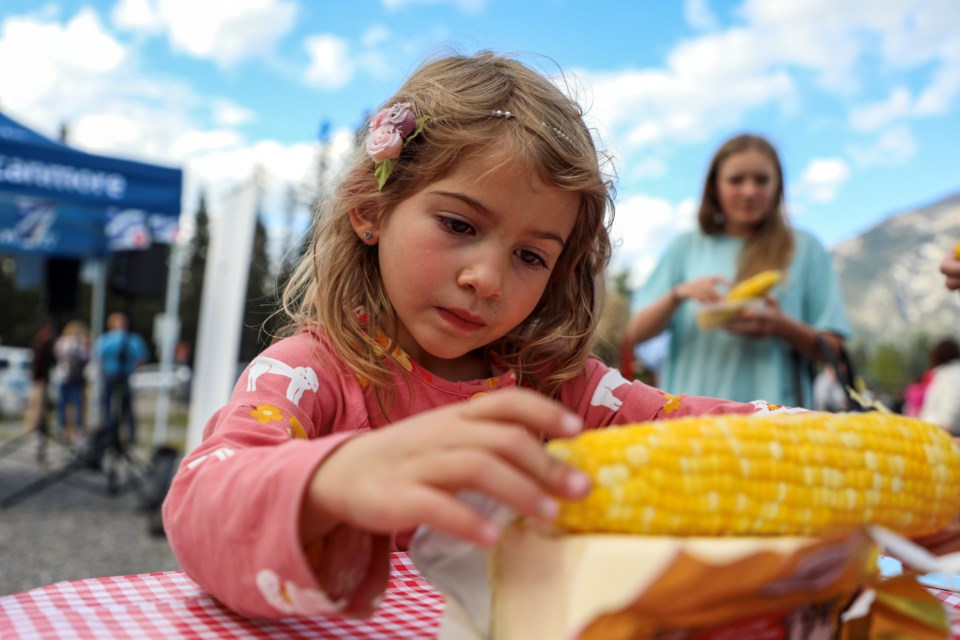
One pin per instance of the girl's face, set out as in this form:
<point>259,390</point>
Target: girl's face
<point>747,186</point>
<point>467,258</point>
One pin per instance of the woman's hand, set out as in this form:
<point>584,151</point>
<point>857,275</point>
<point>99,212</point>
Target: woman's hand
<point>753,322</point>
<point>408,474</point>
<point>702,289</point>
<point>950,267</point>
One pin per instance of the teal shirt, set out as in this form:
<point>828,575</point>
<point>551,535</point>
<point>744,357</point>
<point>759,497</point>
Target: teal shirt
<point>720,364</point>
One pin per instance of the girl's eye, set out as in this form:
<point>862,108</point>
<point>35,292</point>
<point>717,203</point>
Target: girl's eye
<point>532,260</point>
<point>455,225</point>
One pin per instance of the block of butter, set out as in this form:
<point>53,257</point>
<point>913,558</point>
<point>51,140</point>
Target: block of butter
<point>553,586</point>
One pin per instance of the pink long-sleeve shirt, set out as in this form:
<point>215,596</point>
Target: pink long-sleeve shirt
<point>232,512</point>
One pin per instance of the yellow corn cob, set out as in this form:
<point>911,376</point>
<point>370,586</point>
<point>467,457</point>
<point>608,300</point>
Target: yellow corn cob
<point>755,286</point>
<point>956,250</point>
<point>772,474</point>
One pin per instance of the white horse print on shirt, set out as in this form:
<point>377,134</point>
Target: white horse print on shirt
<point>301,378</point>
<point>603,394</point>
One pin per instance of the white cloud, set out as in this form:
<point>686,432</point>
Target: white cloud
<point>103,131</point>
<point>874,116</point>
<point>648,107</point>
<point>940,94</point>
<point>645,168</point>
<point>375,36</point>
<point>822,179</point>
<point>713,82</point>
<point>894,146</point>
<point>698,15</point>
<point>72,53</point>
<point>195,143</point>
<point>642,229</point>
<point>229,114</point>
<point>226,31</point>
<point>472,7</point>
<point>136,15</point>
<point>331,64</point>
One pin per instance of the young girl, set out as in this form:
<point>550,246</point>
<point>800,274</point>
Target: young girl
<point>440,329</point>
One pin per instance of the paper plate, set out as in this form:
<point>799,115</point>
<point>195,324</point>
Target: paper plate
<point>715,315</point>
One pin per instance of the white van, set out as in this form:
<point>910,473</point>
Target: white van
<point>14,380</point>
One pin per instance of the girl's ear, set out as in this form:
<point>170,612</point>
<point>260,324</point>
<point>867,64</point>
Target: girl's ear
<point>365,225</point>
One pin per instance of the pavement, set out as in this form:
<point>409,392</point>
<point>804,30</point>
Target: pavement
<point>85,524</point>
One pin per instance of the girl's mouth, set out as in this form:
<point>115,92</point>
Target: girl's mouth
<point>461,319</point>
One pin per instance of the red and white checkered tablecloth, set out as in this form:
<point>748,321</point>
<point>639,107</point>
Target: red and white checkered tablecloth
<point>171,605</point>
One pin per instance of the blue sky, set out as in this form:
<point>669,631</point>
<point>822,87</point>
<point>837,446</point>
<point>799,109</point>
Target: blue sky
<point>860,96</point>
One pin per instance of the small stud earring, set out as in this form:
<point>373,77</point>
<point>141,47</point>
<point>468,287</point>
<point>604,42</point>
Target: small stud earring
<point>367,234</point>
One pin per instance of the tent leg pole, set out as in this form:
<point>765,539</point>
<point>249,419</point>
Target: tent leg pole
<point>97,313</point>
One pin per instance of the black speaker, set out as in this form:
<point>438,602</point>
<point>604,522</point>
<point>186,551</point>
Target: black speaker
<point>63,280</point>
<point>142,273</point>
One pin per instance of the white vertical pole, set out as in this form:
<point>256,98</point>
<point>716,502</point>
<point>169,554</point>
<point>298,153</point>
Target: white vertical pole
<point>221,308</point>
<point>169,333</point>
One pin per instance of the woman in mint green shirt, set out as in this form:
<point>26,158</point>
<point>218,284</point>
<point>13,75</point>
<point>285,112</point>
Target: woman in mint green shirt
<point>743,231</point>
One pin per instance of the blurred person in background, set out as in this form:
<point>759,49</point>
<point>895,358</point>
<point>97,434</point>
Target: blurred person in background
<point>41,346</point>
<point>941,402</point>
<point>119,351</point>
<point>72,351</point>
<point>915,394</point>
<point>743,230</point>
<point>828,392</point>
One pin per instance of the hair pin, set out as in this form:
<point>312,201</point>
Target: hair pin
<point>499,113</point>
<point>560,134</point>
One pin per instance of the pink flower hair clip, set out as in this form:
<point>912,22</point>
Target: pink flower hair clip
<point>389,130</point>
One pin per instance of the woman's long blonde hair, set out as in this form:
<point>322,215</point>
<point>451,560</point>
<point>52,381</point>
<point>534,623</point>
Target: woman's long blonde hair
<point>339,273</point>
<point>771,244</point>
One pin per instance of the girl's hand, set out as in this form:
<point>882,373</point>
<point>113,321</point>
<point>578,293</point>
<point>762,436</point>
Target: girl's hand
<point>950,267</point>
<point>702,289</point>
<point>752,322</point>
<point>408,474</point>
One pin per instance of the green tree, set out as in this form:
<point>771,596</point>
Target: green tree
<point>191,287</point>
<point>887,369</point>
<point>260,299</point>
<point>22,308</point>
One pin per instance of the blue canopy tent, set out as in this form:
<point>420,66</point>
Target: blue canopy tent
<point>58,202</point>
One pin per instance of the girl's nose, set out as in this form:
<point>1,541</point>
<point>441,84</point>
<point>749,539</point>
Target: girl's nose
<point>484,276</point>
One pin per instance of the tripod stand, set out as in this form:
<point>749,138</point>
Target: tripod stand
<point>105,453</point>
<point>40,427</point>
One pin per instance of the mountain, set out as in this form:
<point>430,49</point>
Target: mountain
<point>890,277</point>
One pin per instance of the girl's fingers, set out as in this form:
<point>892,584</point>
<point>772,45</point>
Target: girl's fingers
<point>527,408</point>
<point>518,447</point>
<point>440,510</point>
<point>474,469</point>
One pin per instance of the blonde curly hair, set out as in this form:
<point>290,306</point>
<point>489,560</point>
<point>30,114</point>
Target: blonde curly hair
<point>339,273</point>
